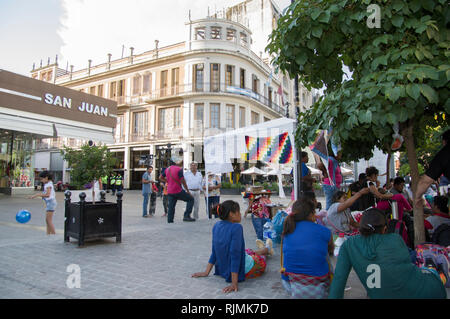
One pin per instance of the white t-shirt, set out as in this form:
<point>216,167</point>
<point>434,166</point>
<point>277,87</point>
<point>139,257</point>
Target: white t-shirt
<point>52,191</point>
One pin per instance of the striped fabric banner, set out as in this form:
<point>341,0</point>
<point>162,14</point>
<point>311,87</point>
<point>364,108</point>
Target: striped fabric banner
<point>269,149</point>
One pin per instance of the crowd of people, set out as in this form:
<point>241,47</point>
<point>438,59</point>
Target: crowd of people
<point>377,242</point>
<point>371,241</point>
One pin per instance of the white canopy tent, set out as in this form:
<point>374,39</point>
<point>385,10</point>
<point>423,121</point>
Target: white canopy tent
<point>253,171</point>
<point>220,149</point>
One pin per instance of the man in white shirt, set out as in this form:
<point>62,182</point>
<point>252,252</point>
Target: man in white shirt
<point>193,180</point>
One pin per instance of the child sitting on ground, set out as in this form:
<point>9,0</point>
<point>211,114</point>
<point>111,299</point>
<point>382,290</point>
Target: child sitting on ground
<point>229,256</point>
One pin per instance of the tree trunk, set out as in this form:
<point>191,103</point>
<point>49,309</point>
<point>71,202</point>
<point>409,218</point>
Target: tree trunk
<point>388,168</point>
<point>419,228</point>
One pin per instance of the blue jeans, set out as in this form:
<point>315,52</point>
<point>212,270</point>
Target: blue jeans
<point>145,204</point>
<point>329,191</point>
<point>212,201</point>
<point>173,198</point>
<point>258,224</point>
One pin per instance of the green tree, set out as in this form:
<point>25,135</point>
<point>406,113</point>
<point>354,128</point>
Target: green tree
<point>399,72</point>
<point>88,164</point>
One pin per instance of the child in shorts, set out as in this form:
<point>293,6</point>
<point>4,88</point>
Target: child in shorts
<point>48,195</point>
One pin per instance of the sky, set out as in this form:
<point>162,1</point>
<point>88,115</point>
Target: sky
<point>79,30</point>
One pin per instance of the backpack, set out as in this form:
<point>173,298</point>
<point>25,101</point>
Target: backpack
<point>398,227</point>
<point>278,222</point>
<point>441,235</point>
<point>436,255</point>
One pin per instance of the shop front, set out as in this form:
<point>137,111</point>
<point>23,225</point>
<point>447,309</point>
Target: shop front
<point>32,110</point>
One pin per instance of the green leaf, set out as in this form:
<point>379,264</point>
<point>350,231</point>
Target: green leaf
<point>391,118</point>
<point>301,58</point>
<point>413,90</point>
<point>393,94</point>
<point>324,17</point>
<point>415,5</point>
<point>429,93</point>
<point>397,21</point>
<point>317,31</point>
<point>381,39</point>
<point>379,60</point>
<point>315,13</point>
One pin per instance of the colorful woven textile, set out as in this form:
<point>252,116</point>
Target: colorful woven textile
<point>259,267</point>
<point>269,149</point>
<point>307,287</point>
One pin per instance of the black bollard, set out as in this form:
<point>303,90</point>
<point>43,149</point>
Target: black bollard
<point>102,196</point>
<point>119,216</point>
<point>82,218</point>
<point>67,195</point>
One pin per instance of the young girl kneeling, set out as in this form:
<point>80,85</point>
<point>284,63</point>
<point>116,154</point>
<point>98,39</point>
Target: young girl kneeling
<point>229,256</point>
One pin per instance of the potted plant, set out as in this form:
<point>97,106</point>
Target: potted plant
<point>90,219</point>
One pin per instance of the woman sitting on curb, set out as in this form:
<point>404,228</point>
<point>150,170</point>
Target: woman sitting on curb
<point>383,264</point>
<point>229,256</point>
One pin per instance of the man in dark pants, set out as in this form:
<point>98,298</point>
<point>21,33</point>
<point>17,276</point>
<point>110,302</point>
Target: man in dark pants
<point>173,176</point>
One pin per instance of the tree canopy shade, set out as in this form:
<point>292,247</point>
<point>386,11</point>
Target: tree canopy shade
<point>400,69</point>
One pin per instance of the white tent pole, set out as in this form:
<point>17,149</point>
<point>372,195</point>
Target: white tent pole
<point>294,150</point>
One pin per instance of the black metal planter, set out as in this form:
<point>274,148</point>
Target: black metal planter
<point>86,220</point>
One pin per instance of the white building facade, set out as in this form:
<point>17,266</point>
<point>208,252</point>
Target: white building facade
<point>177,95</point>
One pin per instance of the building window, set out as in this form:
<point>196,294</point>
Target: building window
<point>112,90</point>
<point>92,90</point>
<point>146,83</point>
<point>198,115</point>
<point>164,83</point>
<point>229,75</point>
<point>244,39</point>
<point>241,116</point>
<point>266,119</point>
<point>117,89</point>
<point>121,88</point>
<point>269,97</point>
<point>231,34</point>
<point>255,83</point>
<point>175,80</point>
<point>100,90</point>
<point>199,33</point>
<point>169,119</point>
<point>137,84</point>
<point>216,33</point>
<point>198,77</point>
<point>254,118</point>
<point>230,116</point>
<point>214,113</point>
<point>242,78</point>
<point>119,133</point>
<point>215,77</point>
<point>140,123</point>
<point>177,117</point>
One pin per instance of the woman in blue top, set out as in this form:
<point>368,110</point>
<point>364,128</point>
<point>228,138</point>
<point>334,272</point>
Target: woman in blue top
<point>305,249</point>
<point>229,256</point>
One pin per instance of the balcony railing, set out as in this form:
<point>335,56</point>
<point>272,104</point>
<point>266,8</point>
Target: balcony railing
<point>205,89</point>
<point>169,133</point>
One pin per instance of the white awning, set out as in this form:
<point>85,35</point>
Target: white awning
<point>22,124</point>
<point>105,137</point>
<point>53,127</point>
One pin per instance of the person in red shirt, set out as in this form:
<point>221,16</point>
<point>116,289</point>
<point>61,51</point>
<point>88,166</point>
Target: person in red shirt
<point>173,176</point>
